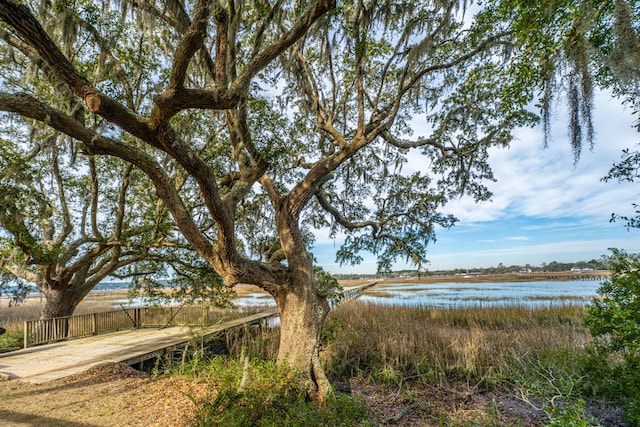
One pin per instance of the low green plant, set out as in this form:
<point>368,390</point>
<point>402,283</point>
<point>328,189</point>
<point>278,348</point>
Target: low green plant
<point>327,284</point>
<point>11,340</point>
<point>614,317</point>
<point>264,393</point>
<point>570,414</point>
<point>551,381</point>
<point>387,375</point>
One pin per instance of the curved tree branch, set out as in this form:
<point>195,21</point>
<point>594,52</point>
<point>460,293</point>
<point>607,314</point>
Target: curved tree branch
<point>28,106</point>
<point>286,40</point>
<point>235,268</point>
<point>20,18</point>
<point>94,200</point>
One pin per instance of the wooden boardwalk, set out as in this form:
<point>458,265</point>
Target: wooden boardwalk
<point>49,362</point>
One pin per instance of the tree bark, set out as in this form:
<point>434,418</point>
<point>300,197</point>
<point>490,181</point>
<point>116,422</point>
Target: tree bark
<point>60,302</point>
<point>302,314</point>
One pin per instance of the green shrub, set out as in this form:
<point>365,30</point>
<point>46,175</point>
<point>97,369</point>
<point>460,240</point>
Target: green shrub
<point>614,318</point>
<point>553,382</point>
<point>614,322</point>
<point>11,340</point>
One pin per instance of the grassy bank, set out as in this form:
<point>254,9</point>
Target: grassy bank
<point>435,362</point>
<point>504,366</point>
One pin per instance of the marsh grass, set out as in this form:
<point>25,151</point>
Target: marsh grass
<point>438,346</point>
<point>533,353</point>
<point>539,355</point>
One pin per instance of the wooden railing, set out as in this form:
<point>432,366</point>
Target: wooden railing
<point>83,325</point>
<point>354,292</point>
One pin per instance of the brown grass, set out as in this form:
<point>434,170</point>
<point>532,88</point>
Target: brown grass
<point>438,345</point>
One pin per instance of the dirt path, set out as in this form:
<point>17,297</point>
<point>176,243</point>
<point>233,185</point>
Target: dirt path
<point>107,395</point>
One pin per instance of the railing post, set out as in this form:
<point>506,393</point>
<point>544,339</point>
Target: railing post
<point>205,315</point>
<point>94,325</point>
<point>27,333</point>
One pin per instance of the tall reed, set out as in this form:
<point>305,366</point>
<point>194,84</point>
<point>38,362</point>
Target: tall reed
<point>441,345</point>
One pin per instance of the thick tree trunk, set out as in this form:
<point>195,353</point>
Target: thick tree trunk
<point>302,315</point>
<point>302,308</point>
<point>59,302</point>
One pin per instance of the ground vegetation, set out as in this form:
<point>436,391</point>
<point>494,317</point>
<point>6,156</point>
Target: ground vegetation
<point>390,366</point>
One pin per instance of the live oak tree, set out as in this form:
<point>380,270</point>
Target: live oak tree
<point>69,221</point>
<point>281,118</point>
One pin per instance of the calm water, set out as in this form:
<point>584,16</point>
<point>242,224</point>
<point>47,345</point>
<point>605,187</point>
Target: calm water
<point>530,294</point>
<point>456,294</point>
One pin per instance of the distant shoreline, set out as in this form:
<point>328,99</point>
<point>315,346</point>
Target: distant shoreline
<point>483,278</point>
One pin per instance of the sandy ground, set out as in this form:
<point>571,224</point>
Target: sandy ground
<point>115,395</point>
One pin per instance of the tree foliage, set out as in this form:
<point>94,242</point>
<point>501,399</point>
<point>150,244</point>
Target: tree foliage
<point>260,122</point>
<point>346,79</point>
<point>13,288</point>
<point>615,316</point>
<point>627,170</point>
<point>70,220</point>
<point>574,46</point>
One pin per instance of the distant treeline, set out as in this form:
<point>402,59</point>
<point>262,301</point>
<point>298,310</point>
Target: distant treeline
<point>553,266</point>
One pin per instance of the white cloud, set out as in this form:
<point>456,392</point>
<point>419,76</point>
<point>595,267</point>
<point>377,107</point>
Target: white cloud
<point>538,182</point>
<point>536,254</point>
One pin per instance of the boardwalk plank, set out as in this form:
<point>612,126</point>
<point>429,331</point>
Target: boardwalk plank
<point>49,362</point>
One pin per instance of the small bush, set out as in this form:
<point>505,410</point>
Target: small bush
<point>552,382</point>
<point>614,318</point>
<point>11,340</point>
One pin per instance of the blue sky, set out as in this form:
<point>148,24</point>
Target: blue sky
<point>544,208</point>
